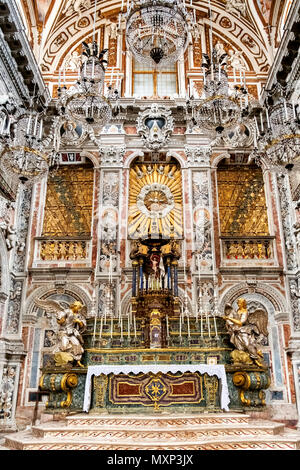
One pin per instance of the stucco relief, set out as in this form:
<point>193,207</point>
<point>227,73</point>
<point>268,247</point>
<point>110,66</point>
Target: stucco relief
<point>202,223</point>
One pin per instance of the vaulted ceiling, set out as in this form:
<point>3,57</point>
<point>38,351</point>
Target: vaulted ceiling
<point>57,27</point>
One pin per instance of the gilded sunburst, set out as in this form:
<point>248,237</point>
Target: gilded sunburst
<point>155,201</point>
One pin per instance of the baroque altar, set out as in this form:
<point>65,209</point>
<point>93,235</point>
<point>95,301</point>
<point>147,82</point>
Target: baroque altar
<point>159,357</point>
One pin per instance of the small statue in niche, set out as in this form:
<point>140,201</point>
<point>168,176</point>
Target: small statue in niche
<point>246,331</point>
<point>72,323</point>
<point>11,237</point>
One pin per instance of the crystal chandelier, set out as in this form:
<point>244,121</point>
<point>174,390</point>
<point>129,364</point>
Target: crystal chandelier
<point>278,136</point>
<point>157,31</point>
<point>85,102</point>
<point>221,108</point>
<point>22,155</point>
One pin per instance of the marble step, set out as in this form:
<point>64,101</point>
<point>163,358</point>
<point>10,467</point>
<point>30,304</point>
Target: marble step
<point>115,434</point>
<point>156,432</point>
<point>25,441</point>
<point>165,421</point>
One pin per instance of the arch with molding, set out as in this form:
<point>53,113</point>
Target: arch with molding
<point>45,291</point>
<point>267,291</point>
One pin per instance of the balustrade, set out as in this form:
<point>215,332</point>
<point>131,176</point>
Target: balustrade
<point>61,250</point>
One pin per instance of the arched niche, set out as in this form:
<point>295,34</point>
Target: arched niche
<point>45,328</point>
<point>271,347</point>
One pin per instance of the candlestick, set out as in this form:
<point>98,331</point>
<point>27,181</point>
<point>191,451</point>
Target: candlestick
<point>201,324</point>
<point>268,119</point>
<point>110,268</point>
<point>294,111</point>
<point>35,125</point>
<point>29,124</point>
<point>167,325</point>
<point>134,325</point>
<point>8,126</point>
<point>128,327</point>
<point>41,129</point>
<point>261,122</point>
<point>119,321</point>
<point>93,67</point>
<point>188,326</point>
<point>111,325</point>
<point>285,109</point>
<point>3,125</point>
<point>215,325</point>
<point>105,315</point>
<point>256,125</point>
<point>101,326</point>
<point>94,331</point>
<point>121,329</point>
<point>208,323</point>
<point>255,140</point>
<point>180,326</point>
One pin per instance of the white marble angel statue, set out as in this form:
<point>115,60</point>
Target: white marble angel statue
<point>236,60</point>
<point>72,323</point>
<point>246,330</point>
<point>74,6</point>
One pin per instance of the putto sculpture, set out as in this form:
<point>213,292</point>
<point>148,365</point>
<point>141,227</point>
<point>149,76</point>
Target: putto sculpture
<point>246,333</point>
<point>72,323</point>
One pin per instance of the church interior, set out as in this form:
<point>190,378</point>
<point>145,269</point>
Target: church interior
<point>149,224</point>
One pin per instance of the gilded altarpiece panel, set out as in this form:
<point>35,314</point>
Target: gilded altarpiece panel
<point>243,213</point>
<point>242,202</point>
<point>155,201</point>
<point>68,214</point>
<point>69,201</point>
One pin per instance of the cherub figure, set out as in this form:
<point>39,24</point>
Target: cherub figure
<point>72,323</point>
<point>74,6</point>
<point>236,60</point>
<point>245,331</point>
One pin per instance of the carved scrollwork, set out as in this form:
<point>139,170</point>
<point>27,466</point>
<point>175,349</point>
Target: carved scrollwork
<point>155,125</point>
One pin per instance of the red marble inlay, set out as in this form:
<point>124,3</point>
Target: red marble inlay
<point>126,389</point>
<point>185,388</point>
